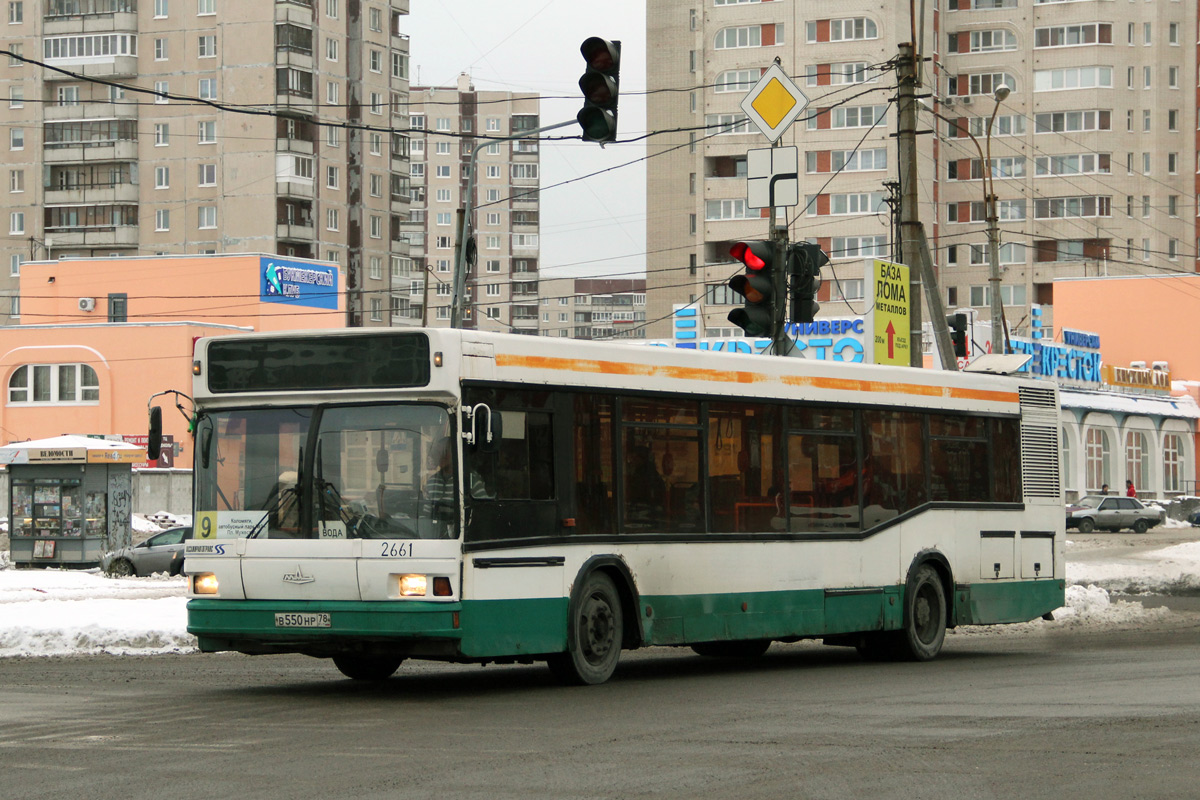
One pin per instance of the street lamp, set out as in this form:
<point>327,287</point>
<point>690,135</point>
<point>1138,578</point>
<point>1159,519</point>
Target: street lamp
<point>993,222</point>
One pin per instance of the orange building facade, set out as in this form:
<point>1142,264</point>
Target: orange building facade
<point>99,336</point>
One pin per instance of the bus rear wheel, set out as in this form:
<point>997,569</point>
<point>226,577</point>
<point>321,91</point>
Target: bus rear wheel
<point>367,668</point>
<point>594,633</point>
<point>925,616</point>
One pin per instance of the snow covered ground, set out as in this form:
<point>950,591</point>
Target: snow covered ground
<point>64,612</point>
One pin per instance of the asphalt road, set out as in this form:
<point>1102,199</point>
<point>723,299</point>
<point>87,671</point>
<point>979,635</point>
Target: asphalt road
<point>1078,712</point>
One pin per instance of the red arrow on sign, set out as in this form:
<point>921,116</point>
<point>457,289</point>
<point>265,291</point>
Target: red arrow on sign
<point>891,332</point>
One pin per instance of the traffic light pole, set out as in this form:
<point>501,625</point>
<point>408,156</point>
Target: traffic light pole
<point>779,239</point>
<point>458,303</point>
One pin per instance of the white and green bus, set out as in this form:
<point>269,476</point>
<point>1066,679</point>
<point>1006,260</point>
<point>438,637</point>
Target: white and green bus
<point>375,496</point>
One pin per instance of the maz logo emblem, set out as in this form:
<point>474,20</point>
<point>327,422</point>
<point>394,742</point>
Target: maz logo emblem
<point>298,576</point>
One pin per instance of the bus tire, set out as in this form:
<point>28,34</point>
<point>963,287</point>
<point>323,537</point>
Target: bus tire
<point>749,648</point>
<point>924,616</point>
<point>367,668</point>
<point>595,632</point>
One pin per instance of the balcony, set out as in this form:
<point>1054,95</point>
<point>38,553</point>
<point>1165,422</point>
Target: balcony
<point>111,67</point>
<point>111,150</point>
<point>118,236</point>
<point>89,16</point>
<point>298,12</point>
<point>92,194</point>
<point>125,110</point>
<point>295,188</point>
<point>294,231</point>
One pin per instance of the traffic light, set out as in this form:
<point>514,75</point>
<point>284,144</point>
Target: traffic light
<point>805,260</point>
<point>958,333</point>
<point>600,85</point>
<point>756,286</point>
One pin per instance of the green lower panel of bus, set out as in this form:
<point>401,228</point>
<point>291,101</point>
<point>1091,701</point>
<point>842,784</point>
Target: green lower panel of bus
<point>525,627</point>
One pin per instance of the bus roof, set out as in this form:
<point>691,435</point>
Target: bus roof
<point>481,357</point>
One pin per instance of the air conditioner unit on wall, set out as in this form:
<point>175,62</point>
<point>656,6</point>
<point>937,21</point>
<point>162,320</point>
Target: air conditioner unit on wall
<point>966,101</point>
<point>87,304</point>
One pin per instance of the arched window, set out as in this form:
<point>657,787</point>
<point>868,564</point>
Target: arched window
<point>1137,459</point>
<point>1066,457</point>
<point>1172,463</point>
<point>67,384</point>
<point>1097,459</point>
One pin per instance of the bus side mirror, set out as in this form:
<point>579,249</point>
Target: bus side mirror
<point>154,440</point>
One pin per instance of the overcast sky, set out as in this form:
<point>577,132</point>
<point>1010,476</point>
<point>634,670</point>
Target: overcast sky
<point>595,226</point>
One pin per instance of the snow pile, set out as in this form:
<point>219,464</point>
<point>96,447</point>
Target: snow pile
<point>45,612</point>
<point>1172,570</point>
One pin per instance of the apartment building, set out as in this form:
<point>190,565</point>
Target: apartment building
<point>448,125</point>
<point>1093,153</point>
<point>594,308</point>
<point>183,127</point>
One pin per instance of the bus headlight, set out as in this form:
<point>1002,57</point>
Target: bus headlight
<point>204,583</point>
<point>413,585</point>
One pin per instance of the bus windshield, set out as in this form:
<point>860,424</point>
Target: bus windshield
<point>331,472</point>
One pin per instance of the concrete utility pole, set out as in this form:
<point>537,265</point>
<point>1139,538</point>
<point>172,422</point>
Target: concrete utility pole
<point>914,247</point>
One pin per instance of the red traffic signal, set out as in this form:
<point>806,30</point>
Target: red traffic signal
<point>757,287</point>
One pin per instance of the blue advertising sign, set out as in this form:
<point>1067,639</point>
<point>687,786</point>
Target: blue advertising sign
<point>300,283</point>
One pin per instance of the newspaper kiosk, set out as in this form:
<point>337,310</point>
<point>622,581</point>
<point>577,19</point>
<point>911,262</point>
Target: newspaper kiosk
<point>69,499</point>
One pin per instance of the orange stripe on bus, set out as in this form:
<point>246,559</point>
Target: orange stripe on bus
<point>737,376</point>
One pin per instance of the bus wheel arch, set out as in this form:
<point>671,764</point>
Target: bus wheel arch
<point>928,606</point>
<point>601,622</point>
<point>631,603</point>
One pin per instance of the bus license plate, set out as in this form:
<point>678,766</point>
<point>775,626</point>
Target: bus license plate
<point>320,620</point>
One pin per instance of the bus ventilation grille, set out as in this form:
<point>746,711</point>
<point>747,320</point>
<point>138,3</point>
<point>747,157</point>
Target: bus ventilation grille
<point>1039,442</point>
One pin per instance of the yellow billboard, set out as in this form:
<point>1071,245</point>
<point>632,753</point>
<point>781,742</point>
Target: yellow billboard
<point>890,313</point>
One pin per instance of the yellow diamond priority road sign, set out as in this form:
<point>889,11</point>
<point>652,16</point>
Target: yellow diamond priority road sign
<point>774,102</point>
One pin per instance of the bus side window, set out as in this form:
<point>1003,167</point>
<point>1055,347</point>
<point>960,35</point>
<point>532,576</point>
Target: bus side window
<point>593,467</point>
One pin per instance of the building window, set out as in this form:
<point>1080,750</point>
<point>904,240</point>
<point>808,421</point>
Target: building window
<point>1137,458</point>
<point>206,216</point>
<point>208,88</point>
<point>206,7</point>
<point>162,134</point>
<point>161,89</point>
<point>1097,459</point>
<point>160,9</point>
<point>376,227</point>
<point>332,219</point>
<point>376,309</point>
<point>16,223</point>
<point>162,219</point>
<point>16,12</point>
<point>1052,80</point>
<point>332,93</point>
<point>54,383</point>
<point>208,174</point>
<point>118,307</point>
<point>16,180</point>
<point>375,19</point>
<point>207,132</point>
<point>207,46</point>
<point>332,177</point>
<point>331,8</point>
<point>749,36</point>
<point>16,138</point>
<point>162,177</point>
<point>160,49</point>
<point>1173,464</point>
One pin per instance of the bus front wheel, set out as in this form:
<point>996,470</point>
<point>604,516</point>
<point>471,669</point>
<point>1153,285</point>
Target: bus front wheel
<point>594,632</point>
<point>925,618</point>
<point>367,668</point>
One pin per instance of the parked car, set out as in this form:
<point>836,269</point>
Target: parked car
<point>156,554</point>
<point>1113,514</point>
<point>1194,518</point>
